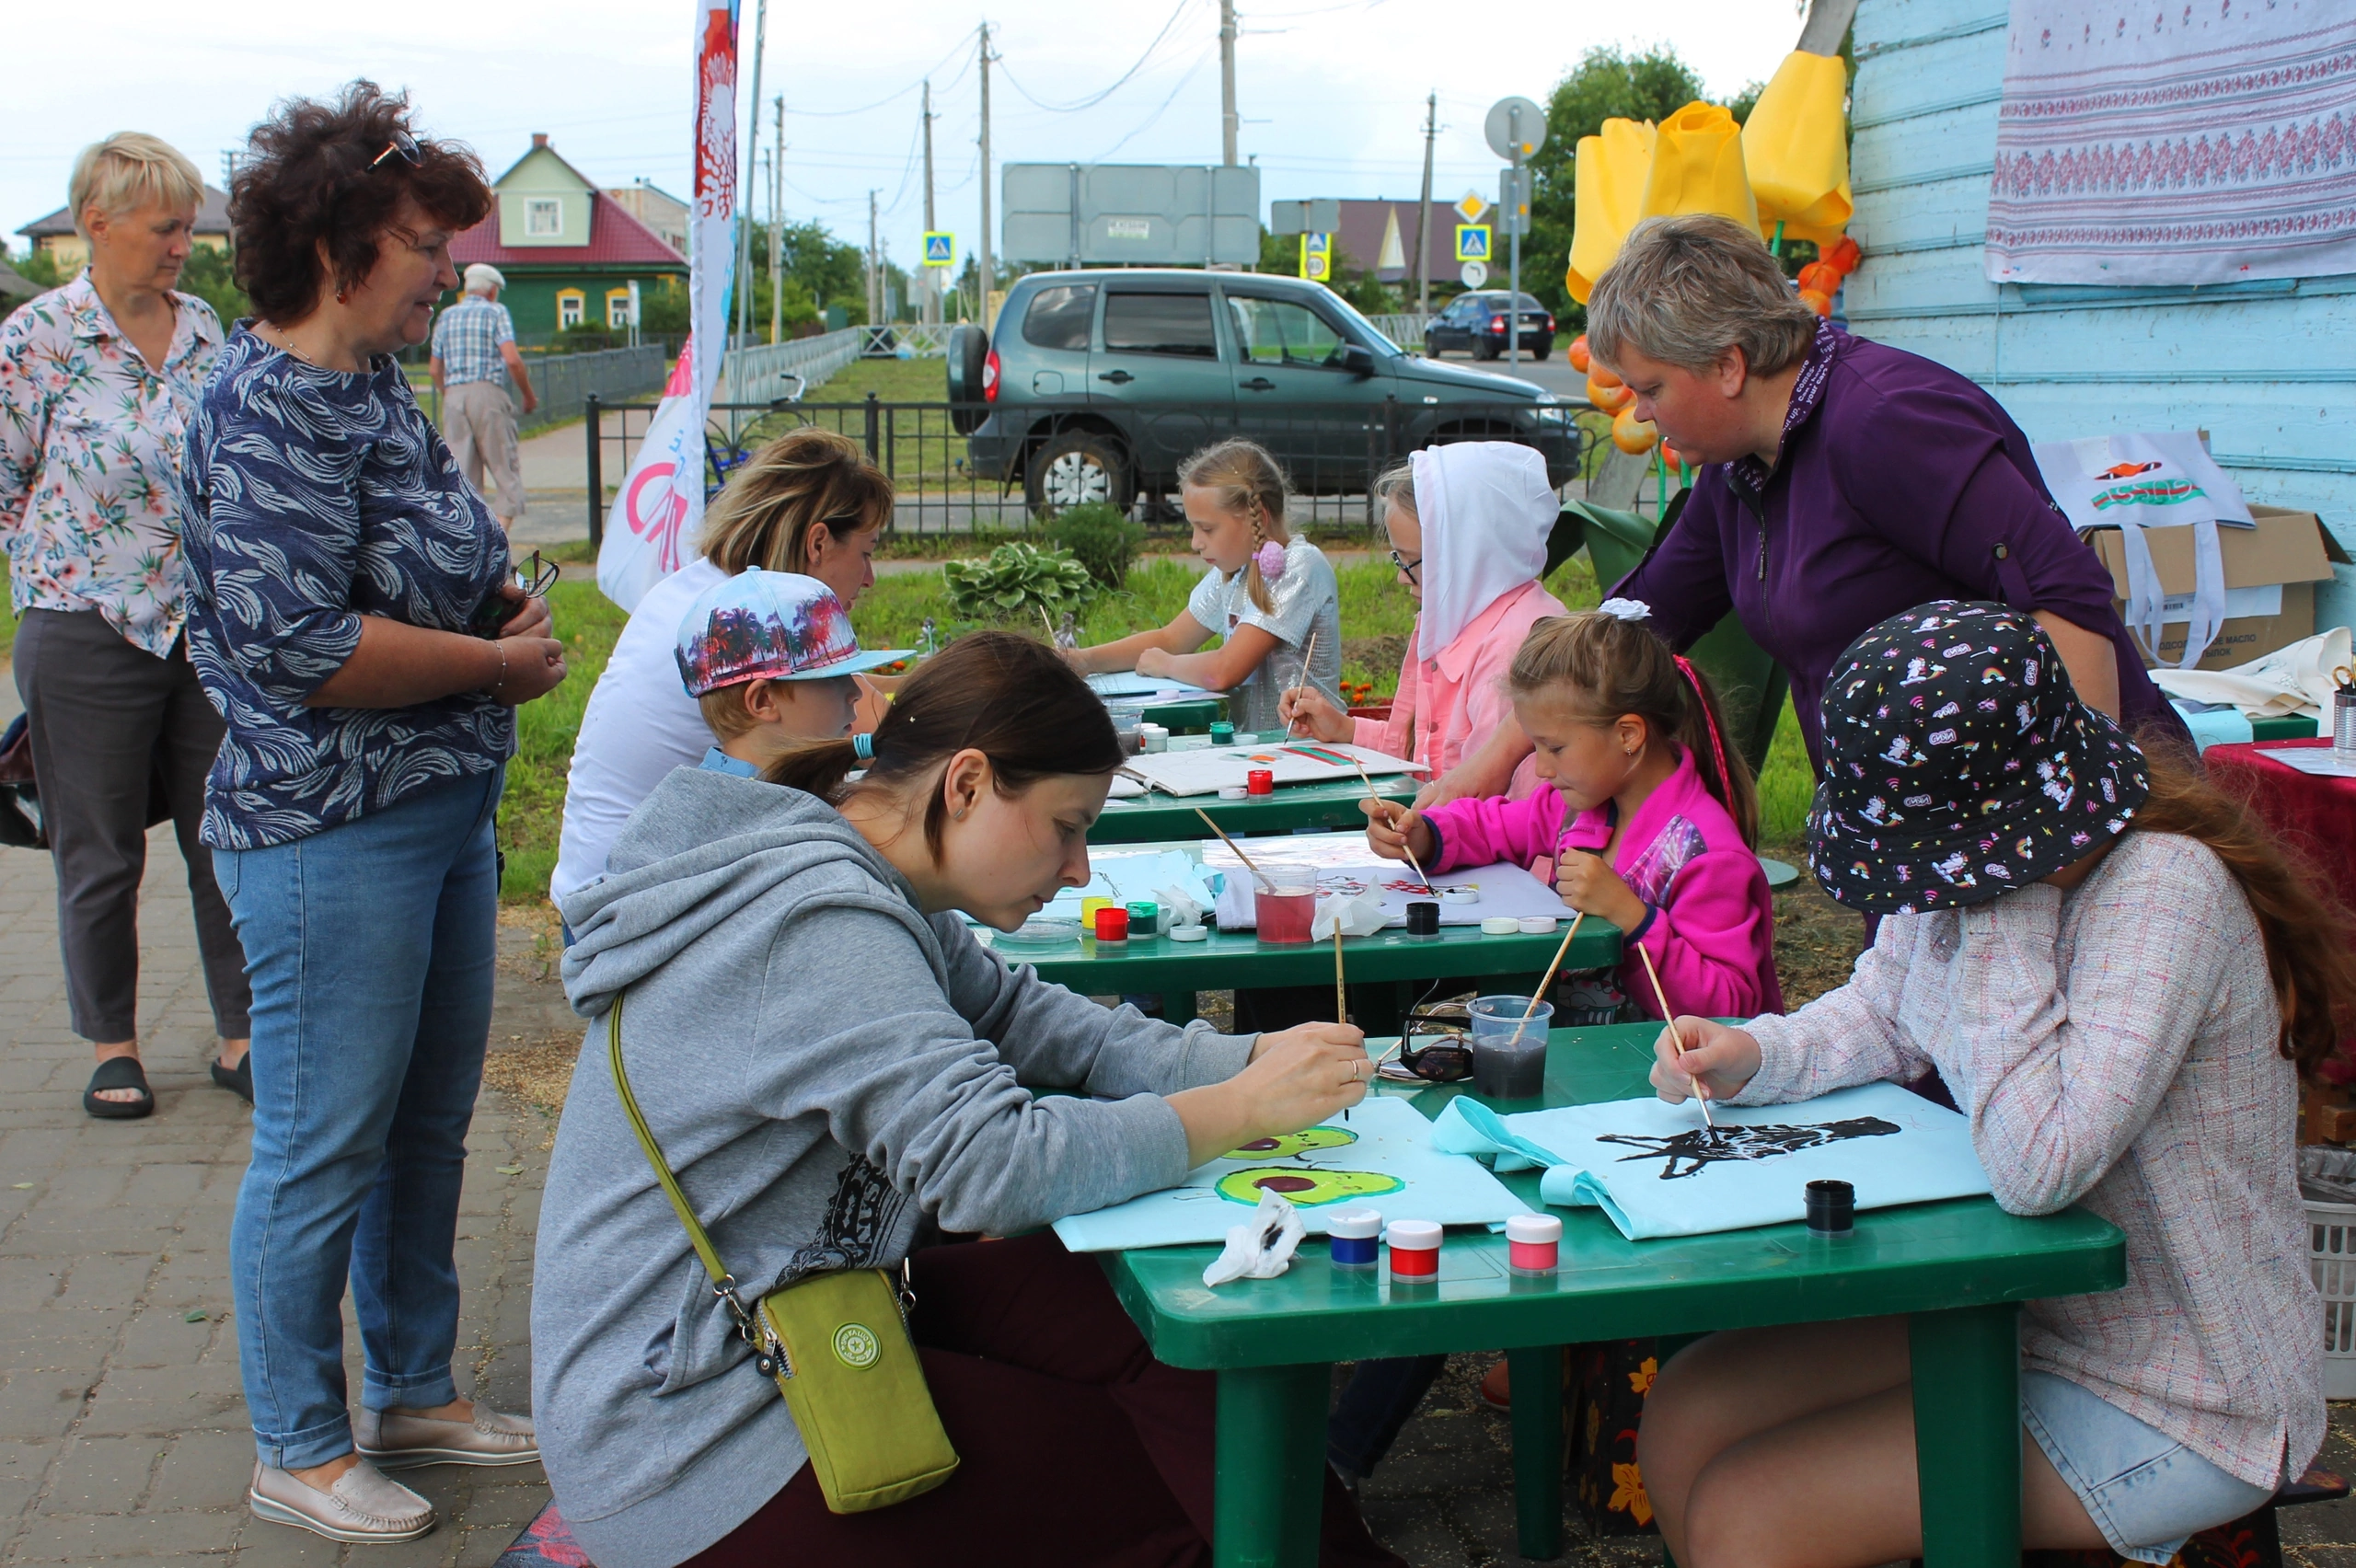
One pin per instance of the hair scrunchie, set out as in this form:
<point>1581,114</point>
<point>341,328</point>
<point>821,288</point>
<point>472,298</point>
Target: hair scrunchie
<point>863,747</point>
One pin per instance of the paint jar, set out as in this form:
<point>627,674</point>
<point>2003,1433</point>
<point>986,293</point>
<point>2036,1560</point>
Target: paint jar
<point>1260,782</point>
<point>1153,737</point>
<point>1423,920</point>
<point>1461,893</point>
<point>1222,733</point>
<point>1415,1248</point>
<point>2343,723</point>
<point>1500,926</point>
<point>1356,1235</point>
<point>1195,933</point>
<point>1533,1243</point>
<point>1536,924</point>
<point>1088,908</point>
<point>1284,901</point>
<point>1111,924</point>
<point>1831,1208</point>
<point>1233,791</point>
<point>1145,917</point>
<point>1508,1056</point>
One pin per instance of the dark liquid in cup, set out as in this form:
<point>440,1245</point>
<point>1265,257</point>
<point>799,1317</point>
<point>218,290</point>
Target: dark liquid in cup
<point>1520,1075</point>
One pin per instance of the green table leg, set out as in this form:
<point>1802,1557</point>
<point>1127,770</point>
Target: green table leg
<point>1178,1007</point>
<point>1271,1466</point>
<point>1967,1435</point>
<point>1537,1375</point>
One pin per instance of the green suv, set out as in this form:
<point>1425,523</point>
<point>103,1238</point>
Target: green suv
<point>1099,384</point>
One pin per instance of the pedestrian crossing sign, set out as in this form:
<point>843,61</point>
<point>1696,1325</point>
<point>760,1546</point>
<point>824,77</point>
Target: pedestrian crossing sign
<point>1472,242</point>
<point>1316,257</point>
<point>940,250</point>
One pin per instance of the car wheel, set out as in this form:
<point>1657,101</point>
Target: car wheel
<point>1483,349</point>
<point>1073,470</point>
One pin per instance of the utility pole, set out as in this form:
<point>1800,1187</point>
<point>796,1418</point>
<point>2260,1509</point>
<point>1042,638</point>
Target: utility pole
<point>746,187</point>
<point>1227,121</point>
<point>777,226</point>
<point>1513,240</point>
<point>933,275</point>
<point>1423,213</point>
<point>874,274</point>
<point>988,270</point>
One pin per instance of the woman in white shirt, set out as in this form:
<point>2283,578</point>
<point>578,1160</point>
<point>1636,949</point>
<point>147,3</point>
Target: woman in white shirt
<point>810,503</point>
<point>1266,596</point>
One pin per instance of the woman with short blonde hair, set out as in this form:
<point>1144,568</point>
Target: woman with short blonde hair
<point>97,381</point>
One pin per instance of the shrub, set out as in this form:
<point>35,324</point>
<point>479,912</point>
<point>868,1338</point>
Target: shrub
<point>1016,583</point>
<point>1099,538</point>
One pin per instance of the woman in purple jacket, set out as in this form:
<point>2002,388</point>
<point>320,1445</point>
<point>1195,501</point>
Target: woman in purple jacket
<point>1842,481</point>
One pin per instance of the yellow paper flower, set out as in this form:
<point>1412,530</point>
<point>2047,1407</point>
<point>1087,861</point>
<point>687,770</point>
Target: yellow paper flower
<point>1628,1493</point>
<point>1641,1380</point>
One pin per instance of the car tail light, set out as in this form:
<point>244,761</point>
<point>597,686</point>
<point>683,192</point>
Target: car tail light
<point>1550,324</point>
<point>989,378</point>
<point>1497,324</point>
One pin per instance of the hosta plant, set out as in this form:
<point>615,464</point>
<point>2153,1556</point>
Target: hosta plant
<point>1017,581</point>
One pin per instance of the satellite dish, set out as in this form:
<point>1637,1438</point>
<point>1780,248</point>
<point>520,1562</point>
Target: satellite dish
<point>1472,274</point>
<point>1504,128</point>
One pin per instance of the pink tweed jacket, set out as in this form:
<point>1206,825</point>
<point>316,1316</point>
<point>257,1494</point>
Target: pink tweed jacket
<point>2114,1047</point>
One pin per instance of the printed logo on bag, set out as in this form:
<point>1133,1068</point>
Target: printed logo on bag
<point>856,1346</point>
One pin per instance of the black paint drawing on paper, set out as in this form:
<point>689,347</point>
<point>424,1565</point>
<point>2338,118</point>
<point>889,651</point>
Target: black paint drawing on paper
<point>1687,1153</point>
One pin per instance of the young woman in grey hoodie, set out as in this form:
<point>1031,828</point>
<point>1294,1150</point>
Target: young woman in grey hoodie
<point>841,1074</point>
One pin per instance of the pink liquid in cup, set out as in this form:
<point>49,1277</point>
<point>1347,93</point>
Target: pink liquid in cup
<point>1283,904</point>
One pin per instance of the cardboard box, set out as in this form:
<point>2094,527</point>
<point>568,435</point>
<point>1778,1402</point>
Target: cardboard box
<point>2270,573</point>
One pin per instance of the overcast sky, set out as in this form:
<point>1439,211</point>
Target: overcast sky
<point>1331,91</point>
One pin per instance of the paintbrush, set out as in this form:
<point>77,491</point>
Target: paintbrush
<point>1306,654</point>
<point>1546,979</point>
<point>1670,1018</point>
<point>1048,624</point>
<point>1340,999</point>
<point>1376,795</point>
<point>1239,855</point>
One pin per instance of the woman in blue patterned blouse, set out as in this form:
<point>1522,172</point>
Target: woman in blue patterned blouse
<point>352,616</point>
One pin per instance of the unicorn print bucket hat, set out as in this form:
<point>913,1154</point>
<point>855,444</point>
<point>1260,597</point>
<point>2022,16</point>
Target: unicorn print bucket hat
<point>1959,764</point>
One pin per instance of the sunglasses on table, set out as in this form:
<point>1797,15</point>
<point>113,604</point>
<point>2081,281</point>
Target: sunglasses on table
<point>1446,1055</point>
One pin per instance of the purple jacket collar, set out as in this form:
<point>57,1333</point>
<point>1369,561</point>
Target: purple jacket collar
<point>1747,473</point>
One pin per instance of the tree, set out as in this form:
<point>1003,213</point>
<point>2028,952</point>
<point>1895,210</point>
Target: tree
<point>211,276</point>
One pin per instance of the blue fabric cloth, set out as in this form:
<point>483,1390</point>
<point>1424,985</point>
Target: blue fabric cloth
<point>314,498</point>
<point>2147,1492</point>
<point>721,762</point>
<point>370,947</point>
<point>466,339</point>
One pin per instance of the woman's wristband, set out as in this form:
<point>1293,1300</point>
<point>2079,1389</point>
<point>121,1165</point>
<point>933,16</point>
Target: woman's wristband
<point>500,684</point>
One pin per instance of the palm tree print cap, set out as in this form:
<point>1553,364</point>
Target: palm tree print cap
<point>778,626</point>
<point>1959,764</point>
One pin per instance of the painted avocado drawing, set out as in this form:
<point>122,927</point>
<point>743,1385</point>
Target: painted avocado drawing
<point>1305,1185</point>
<point>1687,1154</point>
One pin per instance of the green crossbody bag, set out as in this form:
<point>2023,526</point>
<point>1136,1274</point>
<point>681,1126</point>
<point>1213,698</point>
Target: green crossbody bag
<point>838,1344</point>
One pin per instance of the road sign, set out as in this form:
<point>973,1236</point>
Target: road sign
<point>1513,200</point>
<point>1470,205</point>
<point>1472,242</point>
<point>1316,257</point>
<point>1513,137</point>
<point>1472,274</point>
<point>940,250</point>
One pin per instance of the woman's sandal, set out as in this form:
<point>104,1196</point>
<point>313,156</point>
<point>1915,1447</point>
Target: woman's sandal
<point>119,1072</point>
<point>239,1080</point>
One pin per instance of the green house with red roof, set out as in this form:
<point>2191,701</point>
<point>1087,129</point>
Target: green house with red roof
<point>568,251</point>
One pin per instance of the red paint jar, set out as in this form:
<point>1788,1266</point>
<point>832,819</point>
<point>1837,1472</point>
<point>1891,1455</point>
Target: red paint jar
<point>1415,1248</point>
<point>1113,924</point>
<point>1533,1243</point>
<point>1260,782</point>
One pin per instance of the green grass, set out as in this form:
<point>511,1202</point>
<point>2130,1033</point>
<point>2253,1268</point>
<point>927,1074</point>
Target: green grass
<point>1785,785</point>
<point>892,381</point>
<point>533,810</point>
<point>7,624</point>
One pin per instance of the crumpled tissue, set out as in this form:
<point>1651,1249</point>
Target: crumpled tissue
<point>1361,916</point>
<point>1261,1248</point>
<point>1183,907</point>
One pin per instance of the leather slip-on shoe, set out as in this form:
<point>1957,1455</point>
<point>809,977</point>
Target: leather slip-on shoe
<point>363,1507</point>
<point>395,1440</point>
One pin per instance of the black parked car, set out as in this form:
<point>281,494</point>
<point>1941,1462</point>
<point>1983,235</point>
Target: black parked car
<point>1477,323</point>
<point>1098,384</point>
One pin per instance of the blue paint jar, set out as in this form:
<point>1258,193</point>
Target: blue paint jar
<point>1356,1236</point>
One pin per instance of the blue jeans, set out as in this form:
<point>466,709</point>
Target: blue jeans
<point>369,946</point>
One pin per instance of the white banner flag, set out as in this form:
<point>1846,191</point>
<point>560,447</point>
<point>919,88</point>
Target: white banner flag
<point>650,530</point>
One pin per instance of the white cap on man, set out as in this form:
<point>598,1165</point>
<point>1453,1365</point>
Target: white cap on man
<point>482,278</point>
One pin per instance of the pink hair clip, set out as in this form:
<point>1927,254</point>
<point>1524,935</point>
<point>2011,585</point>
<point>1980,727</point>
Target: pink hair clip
<point>1270,559</point>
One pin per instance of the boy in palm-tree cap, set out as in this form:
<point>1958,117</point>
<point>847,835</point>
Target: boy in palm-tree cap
<point>769,655</point>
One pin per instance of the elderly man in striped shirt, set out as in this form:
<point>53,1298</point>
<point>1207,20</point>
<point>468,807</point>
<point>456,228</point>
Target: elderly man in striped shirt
<point>475,361</point>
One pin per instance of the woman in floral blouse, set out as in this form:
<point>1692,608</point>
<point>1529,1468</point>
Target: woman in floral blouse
<point>352,616</point>
<point>96,382</point>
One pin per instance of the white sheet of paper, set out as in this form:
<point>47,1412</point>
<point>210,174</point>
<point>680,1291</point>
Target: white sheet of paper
<point>2320,760</point>
<point>1384,1160</point>
<point>1504,889</point>
<point>1655,1170</point>
<point>1207,771</point>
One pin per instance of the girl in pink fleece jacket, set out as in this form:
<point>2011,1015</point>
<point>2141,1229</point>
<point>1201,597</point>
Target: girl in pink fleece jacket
<point>1642,817</point>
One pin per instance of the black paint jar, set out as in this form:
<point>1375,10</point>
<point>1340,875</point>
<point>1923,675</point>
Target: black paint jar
<point>1831,1208</point>
<point>1423,918</point>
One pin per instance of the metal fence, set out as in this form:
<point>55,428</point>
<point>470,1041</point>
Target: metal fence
<point>565,382</point>
<point>1406,330</point>
<point>950,482</point>
<point>752,376</point>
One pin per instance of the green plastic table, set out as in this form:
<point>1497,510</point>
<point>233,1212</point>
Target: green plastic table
<point>1290,808</point>
<point>1958,1270</point>
<point>1225,960</point>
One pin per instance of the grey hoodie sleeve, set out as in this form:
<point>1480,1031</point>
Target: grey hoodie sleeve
<point>854,1027</point>
<point>1056,1039</point>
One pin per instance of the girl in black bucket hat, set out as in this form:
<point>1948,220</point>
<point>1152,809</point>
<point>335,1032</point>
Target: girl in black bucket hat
<point>2121,979</point>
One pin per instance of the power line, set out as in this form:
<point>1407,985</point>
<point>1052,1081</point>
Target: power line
<point>954,51</point>
<point>1124,80</point>
<point>1191,71</point>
